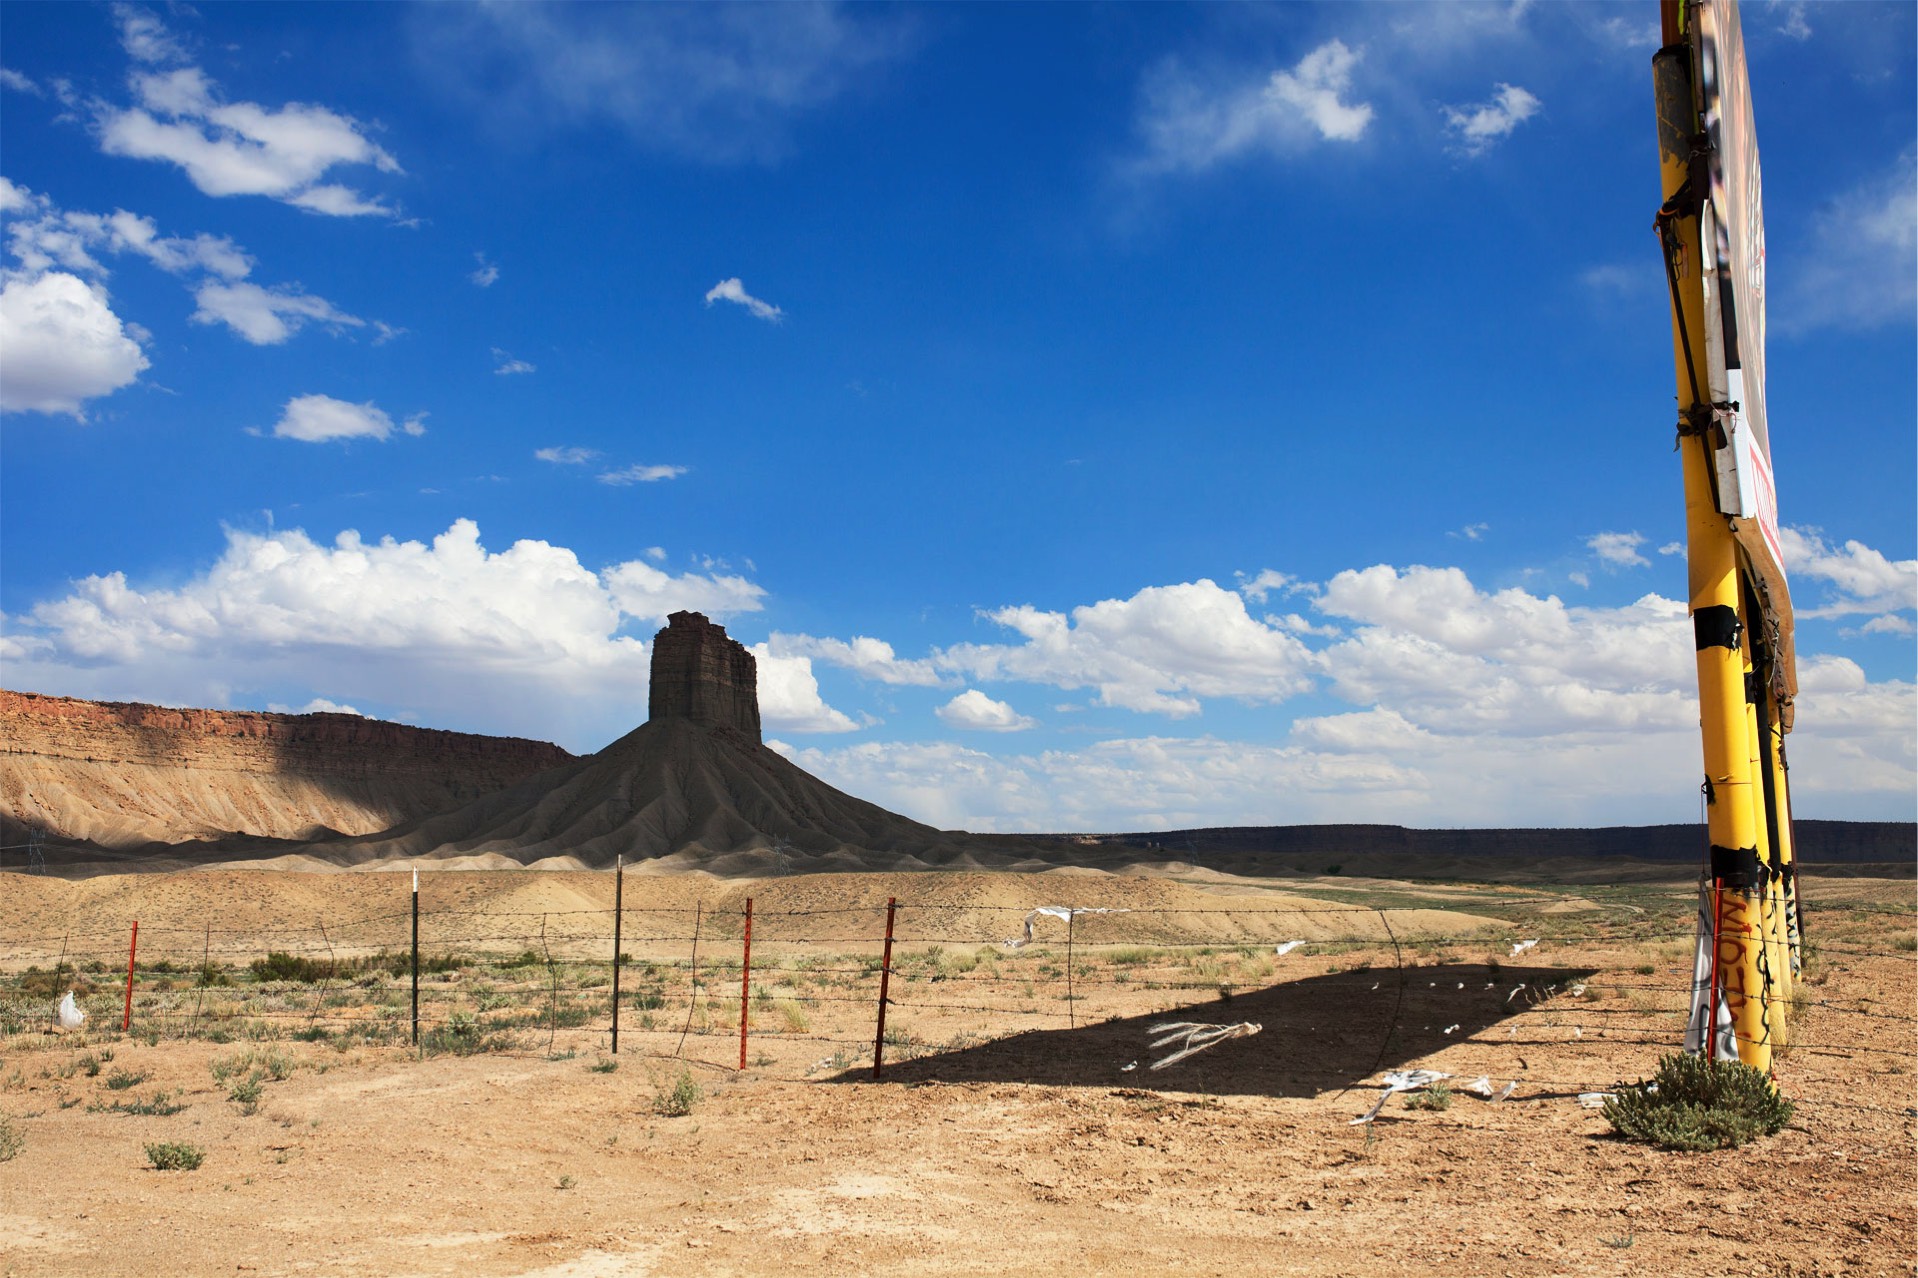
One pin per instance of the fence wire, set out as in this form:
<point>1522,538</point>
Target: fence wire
<point>1339,981</point>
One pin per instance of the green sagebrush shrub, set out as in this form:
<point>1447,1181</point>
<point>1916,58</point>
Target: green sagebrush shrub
<point>1696,1104</point>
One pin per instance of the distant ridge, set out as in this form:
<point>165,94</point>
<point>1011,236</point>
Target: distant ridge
<point>1817,842</point>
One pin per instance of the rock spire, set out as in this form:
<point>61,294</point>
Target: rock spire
<point>702,675</point>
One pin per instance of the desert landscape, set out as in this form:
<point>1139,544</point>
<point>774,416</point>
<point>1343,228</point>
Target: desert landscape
<point>1012,1109</point>
<point>679,1007</point>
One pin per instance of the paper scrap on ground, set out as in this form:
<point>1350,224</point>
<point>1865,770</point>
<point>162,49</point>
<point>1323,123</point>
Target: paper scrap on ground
<point>1400,1081</point>
<point>1593,1100</point>
<point>1194,1037</point>
<point>1064,912</point>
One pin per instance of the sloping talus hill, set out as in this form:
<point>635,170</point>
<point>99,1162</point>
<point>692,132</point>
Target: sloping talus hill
<point>123,774</point>
<point>682,795</point>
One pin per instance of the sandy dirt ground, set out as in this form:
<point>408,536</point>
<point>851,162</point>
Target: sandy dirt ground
<point>1005,1142</point>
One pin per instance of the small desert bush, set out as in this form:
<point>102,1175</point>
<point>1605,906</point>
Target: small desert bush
<point>246,1092</point>
<point>1696,1104</point>
<point>793,1015</point>
<point>159,1105</point>
<point>35,984</point>
<point>121,1079</point>
<point>11,1140</point>
<point>278,965</point>
<point>462,1035</point>
<point>270,1062</point>
<point>174,1156</point>
<point>951,964</point>
<point>1437,1096</point>
<point>679,1098</point>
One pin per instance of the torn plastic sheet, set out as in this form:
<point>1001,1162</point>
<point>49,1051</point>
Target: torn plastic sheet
<point>1062,912</point>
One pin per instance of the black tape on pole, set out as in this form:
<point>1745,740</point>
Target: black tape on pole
<point>1736,868</point>
<point>1716,626</point>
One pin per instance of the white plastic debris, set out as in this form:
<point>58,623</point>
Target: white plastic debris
<point>1523,946</point>
<point>1194,1037</point>
<point>1593,1100</point>
<point>1577,1032</point>
<point>1128,1067</point>
<point>1451,1029</point>
<point>1461,984</point>
<point>71,1017</point>
<point>1505,1093</point>
<point>1481,1086</point>
<point>1399,1081</point>
<point>1578,991</point>
<point>1064,912</point>
<point>1288,947</point>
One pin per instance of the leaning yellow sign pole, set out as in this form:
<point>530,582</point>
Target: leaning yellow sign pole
<point>1715,597</point>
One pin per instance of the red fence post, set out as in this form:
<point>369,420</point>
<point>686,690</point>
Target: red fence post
<point>885,984</point>
<point>133,948</point>
<point>745,982</point>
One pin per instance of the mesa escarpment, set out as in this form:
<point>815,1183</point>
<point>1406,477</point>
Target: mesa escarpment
<point>124,774</point>
<point>691,788</point>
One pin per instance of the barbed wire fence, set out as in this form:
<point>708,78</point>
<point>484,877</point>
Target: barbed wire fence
<point>932,989</point>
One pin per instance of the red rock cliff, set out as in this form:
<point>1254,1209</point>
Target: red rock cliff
<point>123,773</point>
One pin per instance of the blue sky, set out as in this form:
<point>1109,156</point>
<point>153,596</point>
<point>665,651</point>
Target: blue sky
<point>1095,417</point>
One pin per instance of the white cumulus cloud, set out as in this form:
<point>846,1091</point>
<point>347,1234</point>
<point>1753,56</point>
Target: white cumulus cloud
<point>1617,549</point>
<point>44,238</point>
<point>1161,650</point>
<point>1864,580</point>
<point>316,419</point>
<point>486,274</point>
<point>566,456</point>
<point>1315,89</point>
<point>642,590</point>
<point>61,344</point>
<point>234,148</point>
<point>639,473</point>
<point>266,316</point>
<point>508,366</point>
<point>974,711</point>
<point>866,657</point>
<point>733,291</point>
<point>318,705</point>
<point>400,625</point>
<point>1474,128</point>
<point>1190,122</point>
<point>789,697</point>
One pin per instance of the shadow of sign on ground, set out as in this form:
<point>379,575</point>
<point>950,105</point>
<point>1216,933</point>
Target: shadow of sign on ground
<point>1317,1034</point>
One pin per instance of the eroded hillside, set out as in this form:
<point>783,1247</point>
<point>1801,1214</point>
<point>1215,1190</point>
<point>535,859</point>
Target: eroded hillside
<point>123,774</point>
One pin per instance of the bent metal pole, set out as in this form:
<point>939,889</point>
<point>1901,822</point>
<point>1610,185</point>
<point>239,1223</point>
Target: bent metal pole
<point>1712,563</point>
